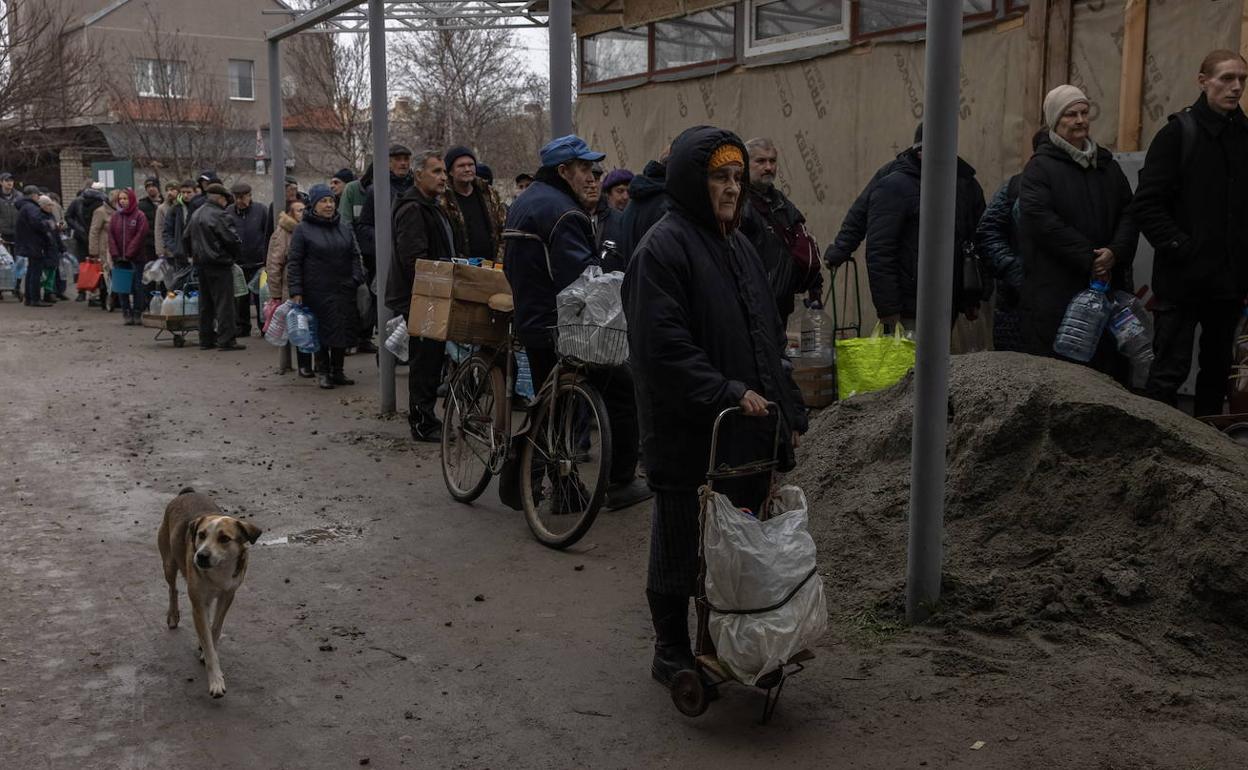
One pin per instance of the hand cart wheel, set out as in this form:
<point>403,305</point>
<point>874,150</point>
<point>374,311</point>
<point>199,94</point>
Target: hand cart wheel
<point>689,693</point>
<point>179,340</point>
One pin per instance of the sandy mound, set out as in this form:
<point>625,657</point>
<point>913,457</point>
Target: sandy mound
<point>1074,508</point>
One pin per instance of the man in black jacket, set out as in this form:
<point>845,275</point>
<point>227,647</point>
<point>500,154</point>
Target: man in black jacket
<point>211,238</point>
<point>250,221</point>
<point>1192,206</point>
<point>421,231</point>
<point>893,237</point>
<point>365,234</point>
<point>647,203</point>
<point>704,336</point>
<point>148,205</point>
<point>778,232</point>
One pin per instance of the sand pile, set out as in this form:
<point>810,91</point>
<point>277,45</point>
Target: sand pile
<point>1073,507</point>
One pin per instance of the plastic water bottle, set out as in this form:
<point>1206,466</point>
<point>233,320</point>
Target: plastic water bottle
<point>1084,322</point>
<point>524,376</point>
<point>191,305</point>
<point>154,306</point>
<point>397,339</point>
<point>1130,327</point>
<point>816,340</point>
<point>171,304</point>
<point>275,329</point>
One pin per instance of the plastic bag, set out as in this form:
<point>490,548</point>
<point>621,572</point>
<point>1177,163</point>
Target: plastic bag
<point>757,565</point>
<point>158,271</point>
<point>19,269</point>
<point>275,323</point>
<point>68,266</point>
<point>866,364</point>
<point>240,282</point>
<point>593,299</point>
<point>363,300</point>
<point>397,337</point>
<point>301,329</point>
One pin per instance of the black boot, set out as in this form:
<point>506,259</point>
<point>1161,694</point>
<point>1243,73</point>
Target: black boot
<point>325,380</point>
<point>340,378</point>
<point>672,651</point>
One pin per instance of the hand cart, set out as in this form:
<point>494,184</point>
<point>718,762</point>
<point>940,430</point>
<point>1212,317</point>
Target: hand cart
<point>177,327</point>
<point>693,690</point>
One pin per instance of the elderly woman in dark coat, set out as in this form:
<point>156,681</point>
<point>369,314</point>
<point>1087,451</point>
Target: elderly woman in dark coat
<point>322,272</point>
<point>704,336</point>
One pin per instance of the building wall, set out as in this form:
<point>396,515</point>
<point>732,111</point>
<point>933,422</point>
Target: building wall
<point>837,118</point>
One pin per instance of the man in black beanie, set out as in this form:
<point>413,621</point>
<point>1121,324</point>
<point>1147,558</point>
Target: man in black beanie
<point>476,213</point>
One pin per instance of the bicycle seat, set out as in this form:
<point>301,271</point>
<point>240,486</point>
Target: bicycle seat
<point>501,303</point>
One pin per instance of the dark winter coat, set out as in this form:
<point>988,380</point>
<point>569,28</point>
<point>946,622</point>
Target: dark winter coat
<point>703,329</point>
<point>893,235</point>
<point>127,233</point>
<point>421,231</point>
<point>175,230</point>
<point>79,215</point>
<point>495,213</point>
<point>366,226</point>
<point>1067,211</point>
<point>251,224</point>
<point>211,239</point>
<point>997,238</point>
<point>32,237</point>
<point>854,227</point>
<point>324,267</point>
<point>8,214</point>
<point>647,203</point>
<point>607,221</point>
<point>1194,210</point>
<point>769,221</point>
<point>148,207</point>
<point>539,269</point>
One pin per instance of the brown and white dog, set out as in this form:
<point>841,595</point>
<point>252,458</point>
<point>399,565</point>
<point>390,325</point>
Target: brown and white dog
<point>210,550</point>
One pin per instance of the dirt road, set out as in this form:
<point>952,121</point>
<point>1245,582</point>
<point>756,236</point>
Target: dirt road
<point>383,625</point>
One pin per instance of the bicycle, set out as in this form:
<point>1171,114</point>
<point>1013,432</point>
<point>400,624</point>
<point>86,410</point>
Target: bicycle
<point>564,456</point>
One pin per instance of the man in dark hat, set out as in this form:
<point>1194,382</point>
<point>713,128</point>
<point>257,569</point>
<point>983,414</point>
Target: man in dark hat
<point>214,243</point>
<point>485,174</point>
<point>522,182</point>
<point>366,236</point>
<point>149,204</point>
<point>205,178</point>
<point>250,222</point>
<point>338,182</point>
<point>476,213</point>
<point>615,188</point>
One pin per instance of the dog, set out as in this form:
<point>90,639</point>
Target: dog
<point>210,550</point>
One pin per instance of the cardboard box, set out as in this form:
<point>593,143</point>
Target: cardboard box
<point>818,383</point>
<point>449,303</point>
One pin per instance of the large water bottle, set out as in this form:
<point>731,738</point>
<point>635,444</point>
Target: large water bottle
<point>397,337</point>
<point>816,340</point>
<point>154,306</point>
<point>1084,322</point>
<point>191,305</point>
<point>1129,324</point>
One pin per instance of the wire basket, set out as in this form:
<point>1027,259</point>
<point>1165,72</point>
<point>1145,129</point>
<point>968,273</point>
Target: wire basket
<point>599,345</point>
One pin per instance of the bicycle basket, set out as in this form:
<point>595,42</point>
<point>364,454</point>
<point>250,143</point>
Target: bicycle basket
<point>600,345</point>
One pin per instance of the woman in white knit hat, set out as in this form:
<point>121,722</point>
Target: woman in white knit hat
<point>1073,201</point>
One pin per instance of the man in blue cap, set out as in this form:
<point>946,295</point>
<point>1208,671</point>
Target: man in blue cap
<point>549,243</point>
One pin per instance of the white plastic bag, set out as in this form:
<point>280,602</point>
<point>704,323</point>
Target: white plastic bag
<point>397,337</point>
<point>593,299</point>
<point>752,564</point>
<point>240,282</point>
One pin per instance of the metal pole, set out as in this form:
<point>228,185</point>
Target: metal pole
<point>277,159</point>
<point>560,31</point>
<point>381,188</point>
<point>936,264</point>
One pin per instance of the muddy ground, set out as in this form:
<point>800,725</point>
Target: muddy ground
<point>383,625</point>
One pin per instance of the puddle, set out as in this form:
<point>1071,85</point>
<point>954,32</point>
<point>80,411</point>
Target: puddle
<point>316,535</point>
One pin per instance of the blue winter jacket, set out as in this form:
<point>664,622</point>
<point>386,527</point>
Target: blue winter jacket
<point>549,243</point>
<point>997,235</point>
<point>33,236</point>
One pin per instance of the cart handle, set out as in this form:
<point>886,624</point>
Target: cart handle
<point>757,467</point>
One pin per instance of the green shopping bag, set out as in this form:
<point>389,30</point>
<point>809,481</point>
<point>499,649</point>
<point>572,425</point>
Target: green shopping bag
<point>866,364</point>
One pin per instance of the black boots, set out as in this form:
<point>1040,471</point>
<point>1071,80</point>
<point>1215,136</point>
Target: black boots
<point>324,380</point>
<point>672,651</point>
<point>339,378</point>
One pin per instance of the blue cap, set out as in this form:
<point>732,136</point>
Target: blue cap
<point>568,148</point>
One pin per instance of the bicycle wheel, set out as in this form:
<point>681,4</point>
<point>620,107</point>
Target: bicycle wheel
<point>565,464</point>
<point>469,434</point>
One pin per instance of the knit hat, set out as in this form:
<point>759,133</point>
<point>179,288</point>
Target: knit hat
<point>1058,101</point>
<point>723,155</point>
<point>345,175</point>
<point>318,192</point>
<point>615,178</point>
<point>455,153</point>
<point>486,173</point>
<point>151,181</point>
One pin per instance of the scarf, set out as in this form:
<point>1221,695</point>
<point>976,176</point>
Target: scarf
<point>1085,157</point>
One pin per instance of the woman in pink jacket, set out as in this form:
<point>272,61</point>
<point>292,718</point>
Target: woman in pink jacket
<point>127,232</point>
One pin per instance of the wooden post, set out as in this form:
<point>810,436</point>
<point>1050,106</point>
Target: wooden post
<point>1057,52</point>
<point>1131,95</point>
<point>1033,87</point>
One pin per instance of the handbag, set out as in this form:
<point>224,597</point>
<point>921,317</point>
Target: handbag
<point>867,364</point>
<point>89,273</point>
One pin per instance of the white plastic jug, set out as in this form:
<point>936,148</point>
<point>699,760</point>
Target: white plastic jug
<point>172,304</point>
<point>156,304</point>
<point>191,307</point>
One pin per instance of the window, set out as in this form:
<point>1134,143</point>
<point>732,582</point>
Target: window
<point>242,79</point>
<point>775,25</point>
<point>615,54</point>
<point>700,38</point>
<point>154,77</point>
<point>879,16</point>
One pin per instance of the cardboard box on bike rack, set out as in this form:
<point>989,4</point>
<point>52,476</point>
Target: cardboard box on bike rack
<point>449,303</point>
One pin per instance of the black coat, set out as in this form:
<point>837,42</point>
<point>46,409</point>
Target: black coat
<point>210,238</point>
<point>79,214</point>
<point>148,207</point>
<point>1194,211</point>
<point>421,231</point>
<point>647,203</point>
<point>703,329</point>
<point>251,225</point>
<point>1067,211</point>
<point>324,267</point>
<point>769,218</point>
<point>366,225</point>
<point>33,238</point>
<point>854,227</point>
<point>893,235</point>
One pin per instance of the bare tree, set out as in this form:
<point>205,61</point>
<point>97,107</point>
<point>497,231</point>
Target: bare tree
<point>173,118</point>
<point>331,105</point>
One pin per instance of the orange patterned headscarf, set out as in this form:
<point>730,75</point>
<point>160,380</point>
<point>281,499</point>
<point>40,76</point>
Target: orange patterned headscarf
<point>725,154</point>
